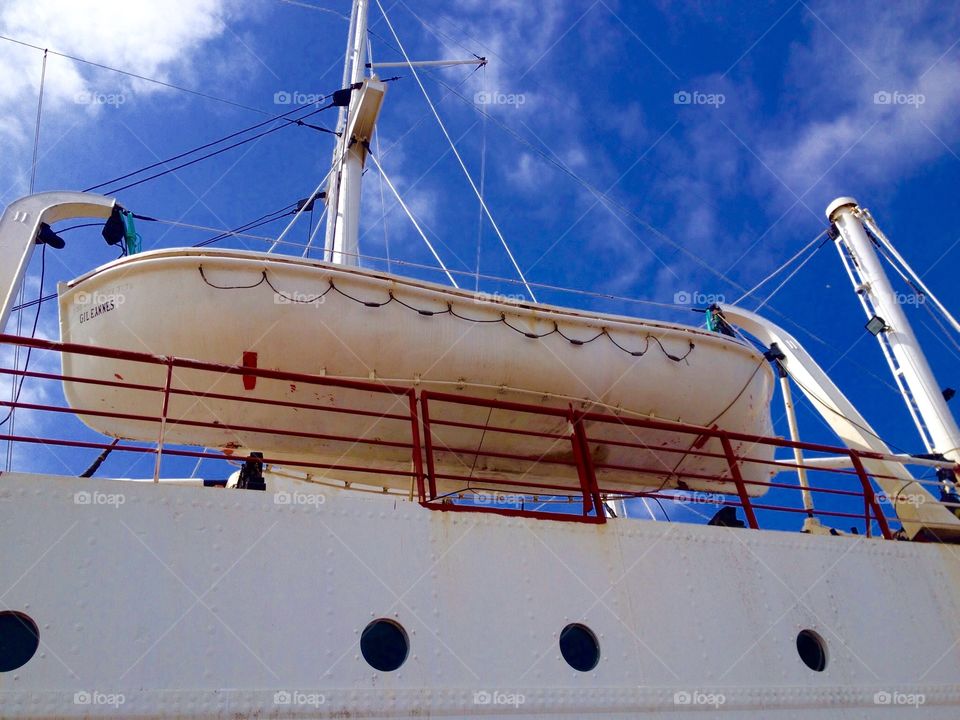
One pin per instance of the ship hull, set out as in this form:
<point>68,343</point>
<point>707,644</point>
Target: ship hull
<point>157,601</point>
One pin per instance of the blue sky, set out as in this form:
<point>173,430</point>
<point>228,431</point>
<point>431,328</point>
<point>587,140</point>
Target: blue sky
<point>784,115</point>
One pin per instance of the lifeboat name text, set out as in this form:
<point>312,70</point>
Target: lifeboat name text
<point>97,310</point>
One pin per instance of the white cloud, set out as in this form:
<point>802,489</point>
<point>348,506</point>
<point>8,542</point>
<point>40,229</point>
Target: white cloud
<point>160,39</point>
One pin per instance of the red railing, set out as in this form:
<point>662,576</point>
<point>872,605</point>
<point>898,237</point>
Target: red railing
<point>429,472</point>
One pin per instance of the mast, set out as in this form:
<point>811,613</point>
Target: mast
<point>343,191</point>
<point>884,310</point>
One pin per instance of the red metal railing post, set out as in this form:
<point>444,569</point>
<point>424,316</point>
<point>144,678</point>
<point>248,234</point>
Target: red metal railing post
<point>417,454</point>
<point>163,419</point>
<point>428,444</point>
<point>870,498</point>
<point>738,480</point>
<point>592,501</point>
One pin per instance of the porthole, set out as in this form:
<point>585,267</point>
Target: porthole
<point>812,650</point>
<point>579,647</point>
<point>384,645</point>
<point>19,640</point>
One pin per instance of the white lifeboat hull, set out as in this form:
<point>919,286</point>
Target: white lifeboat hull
<point>305,316</point>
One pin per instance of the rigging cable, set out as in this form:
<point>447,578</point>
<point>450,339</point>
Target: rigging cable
<point>136,76</point>
<point>483,177</point>
<point>396,194</point>
<point>456,153</point>
<point>780,269</point>
<point>204,146</point>
<point>920,294</point>
<point>797,269</point>
<point>33,334</point>
<point>217,152</point>
<point>15,393</point>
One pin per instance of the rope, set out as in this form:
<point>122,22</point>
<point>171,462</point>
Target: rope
<point>392,298</point>
<point>456,154</point>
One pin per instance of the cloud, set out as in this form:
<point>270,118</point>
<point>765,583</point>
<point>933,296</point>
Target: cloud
<point>163,40</point>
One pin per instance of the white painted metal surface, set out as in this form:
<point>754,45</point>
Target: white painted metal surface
<point>201,603</point>
<point>910,366</point>
<point>20,225</point>
<point>163,305</point>
<point>343,193</point>
<point>850,426</point>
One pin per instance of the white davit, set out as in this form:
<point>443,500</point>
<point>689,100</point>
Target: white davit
<point>306,316</point>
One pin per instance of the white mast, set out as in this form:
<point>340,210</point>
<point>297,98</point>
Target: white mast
<point>911,371</point>
<point>355,126</point>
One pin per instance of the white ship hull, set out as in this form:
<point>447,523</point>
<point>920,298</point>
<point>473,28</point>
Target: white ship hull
<point>309,317</point>
<point>200,603</point>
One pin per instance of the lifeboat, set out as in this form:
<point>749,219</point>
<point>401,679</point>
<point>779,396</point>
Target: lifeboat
<point>305,316</point>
